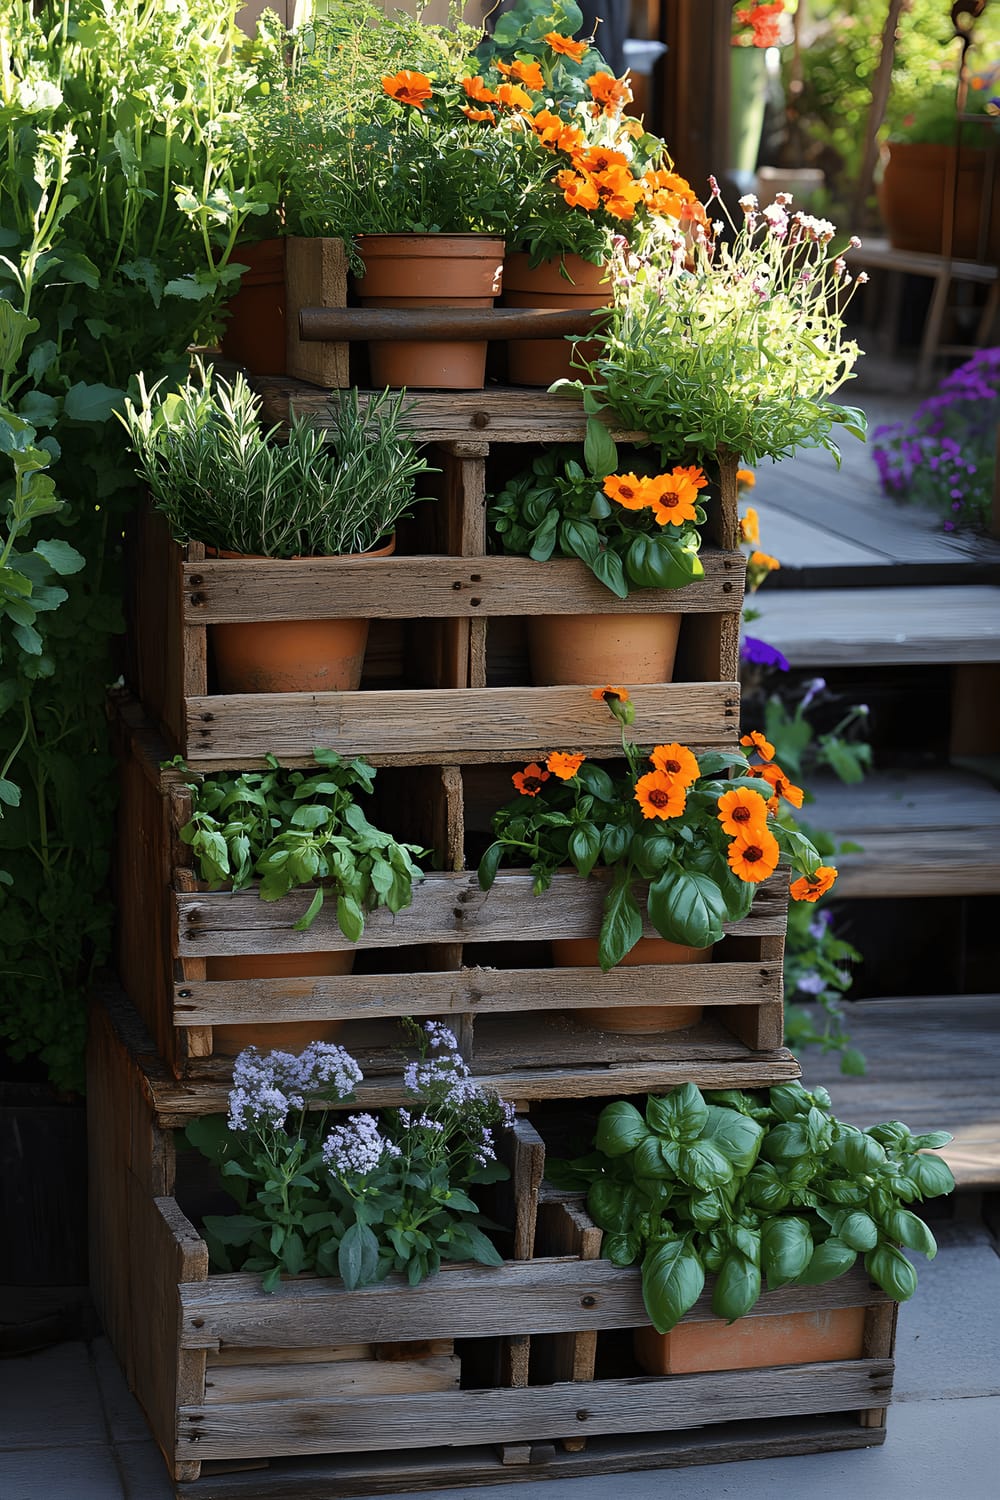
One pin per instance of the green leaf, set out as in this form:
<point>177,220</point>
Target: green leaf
<point>831,1259</point>
<point>357,1257</point>
<point>911,1231</point>
<point>92,403</point>
<point>583,847</point>
<point>488,866</point>
<point>786,1247</point>
<point>931,1175</point>
<point>892,1271</point>
<point>61,557</point>
<point>599,451</point>
<point>672,1282</point>
<point>350,918</point>
<point>736,1135</point>
<point>473,1242</point>
<point>737,1287</point>
<point>858,1230</point>
<point>311,912</point>
<point>10,792</point>
<point>687,907</point>
<point>621,926</point>
<point>680,1115</point>
<point>233,1229</point>
<point>620,1128</point>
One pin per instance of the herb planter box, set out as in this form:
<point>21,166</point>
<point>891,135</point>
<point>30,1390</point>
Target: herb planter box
<point>434,610</point>
<point>455,953</point>
<point>178,1329</point>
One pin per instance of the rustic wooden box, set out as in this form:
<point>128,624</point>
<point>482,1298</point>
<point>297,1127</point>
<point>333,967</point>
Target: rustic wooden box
<point>434,610</point>
<point>479,958</point>
<point>180,1331</point>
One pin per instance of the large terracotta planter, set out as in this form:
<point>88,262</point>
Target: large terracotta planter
<point>429,270</point>
<point>637,1020</point>
<point>915,197</point>
<point>591,649</point>
<point>542,361</point>
<point>291,656</point>
<point>254,336</point>
<point>751,1343</point>
<point>290,1036</point>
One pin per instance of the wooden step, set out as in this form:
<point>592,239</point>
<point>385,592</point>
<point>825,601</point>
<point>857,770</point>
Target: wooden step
<point>925,833</point>
<point>931,1063</point>
<point>888,626</point>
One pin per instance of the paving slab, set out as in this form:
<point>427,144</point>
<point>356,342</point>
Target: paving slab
<point>50,1396</point>
<point>948,1334</point>
<point>86,1472</point>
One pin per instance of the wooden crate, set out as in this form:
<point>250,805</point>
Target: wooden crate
<point>434,609</point>
<point>177,1329</point>
<point>479,958</point>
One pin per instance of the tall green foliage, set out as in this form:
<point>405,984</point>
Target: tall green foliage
<point>124,184</point>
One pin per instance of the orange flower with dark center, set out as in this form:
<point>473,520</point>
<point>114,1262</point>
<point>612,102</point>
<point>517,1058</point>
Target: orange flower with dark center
<point>476,90</point>
<point>525,70</point>
<point>811,887</point>
<point>750,526</point>
<point>530,781</point>
<point>676,762</point>
<point>565,45</point>
<point>595,159</point>
<point>408,88</point>
<point>579,192</point>
<point>479,114</point>
<point>513,96</point>
<point>776,778</point>
<point>753,856</point>
<point>619,192</point>
<point>611,93</point>
<point>554,133</point>
<point>672,500</point>
<point>742,811</point>
<point>756,741</point>
<point>564,765</point>
<point>603,694</point>
<point>628,490</point>
<point>660,796</point>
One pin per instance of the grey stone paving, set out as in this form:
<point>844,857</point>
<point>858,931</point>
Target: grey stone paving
<point>69,1430</point>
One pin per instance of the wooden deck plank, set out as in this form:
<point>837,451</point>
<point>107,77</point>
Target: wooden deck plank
<point>931,1063</point>
<point>884,626</point>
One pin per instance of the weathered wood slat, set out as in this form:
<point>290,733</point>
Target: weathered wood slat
<point>412,727</point>
<point>538,1412</point>
<point>480,991</point>
<point>253,1383</point>
<point>435,323</point>
<point>892,626</point>
<point>447,907</point>
<point>217,590</point>
<point>539,1296</point>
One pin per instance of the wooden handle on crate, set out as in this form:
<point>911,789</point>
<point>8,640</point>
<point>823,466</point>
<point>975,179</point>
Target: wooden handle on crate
<point>434,323</point>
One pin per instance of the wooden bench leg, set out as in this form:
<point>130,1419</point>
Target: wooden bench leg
<point>932,329</point>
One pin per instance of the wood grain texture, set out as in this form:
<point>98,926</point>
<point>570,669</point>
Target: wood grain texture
<point>251,1383</point>
<point>468,585</point>
<point>315,276</point>
<point>892,626</point>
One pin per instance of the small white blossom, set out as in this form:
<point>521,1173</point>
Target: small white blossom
<point>357,1146</point>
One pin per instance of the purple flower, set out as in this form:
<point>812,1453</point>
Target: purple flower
<point>357,1147</point>
<point>760,654</point>
<point>811,984</point>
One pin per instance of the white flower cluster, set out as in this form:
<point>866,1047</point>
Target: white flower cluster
<point>357,1146</point>
<point>267,1087</point>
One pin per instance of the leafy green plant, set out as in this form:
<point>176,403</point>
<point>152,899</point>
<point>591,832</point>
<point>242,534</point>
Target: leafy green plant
<point>632,530</point>
<point>754,1189</point>
<point>699,829</point>
<point>219,477</point>
<point>366,1197</point>
<point>291,829</point>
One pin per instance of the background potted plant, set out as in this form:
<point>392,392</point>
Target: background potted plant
<point>701,830</point>
<point>632,530</point>
<point>755,29</point>
<point>753,1188</point>
<point>221,479</point>
<point>288,829</point>
<point>365,1197</point>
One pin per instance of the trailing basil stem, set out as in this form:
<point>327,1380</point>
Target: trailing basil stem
<point>754,1188</point>
<point>291,828</point>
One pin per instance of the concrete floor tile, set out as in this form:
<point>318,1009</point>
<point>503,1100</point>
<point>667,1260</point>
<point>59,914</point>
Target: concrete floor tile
<point>144,1472</point>
<point>60,1473</point>
<point>52,1393</point>
<point>948,1334</point>
<point>124,1414</point>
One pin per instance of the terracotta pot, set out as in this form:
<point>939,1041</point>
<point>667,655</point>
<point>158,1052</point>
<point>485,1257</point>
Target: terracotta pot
<point>429,270</point>
<point>255,333</point>
<point>291,656</point>
<point>542,361</point>
<point>591,649</point>
<point>915,196</point>
<point>639,1020</point>
<point>290,1036</point>
<point>751,1343</point>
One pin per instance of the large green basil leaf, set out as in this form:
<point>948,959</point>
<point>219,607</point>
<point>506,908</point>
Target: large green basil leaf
<point>858,1230</point>
<point>787,1142</point>
<point>680,1115</point>
<point>857,1152</point>
<point>687,907</point>
<point>931,1175</point>
<point>736,1135</point>
<point>655,1158</point>
<point>786,1246</point>
<point>599,451</point>
<point>584,846</point>
<point>737,1287</point>
<point>829,1260</point>
<point>703,1166</point>
<point>910,1231</point>
<point>620,1128</point>
<point>622,1249</point>
<point>672,1282</point>
<point>621,927</point>
<point>608,1205</point>
<point>892,1271</point>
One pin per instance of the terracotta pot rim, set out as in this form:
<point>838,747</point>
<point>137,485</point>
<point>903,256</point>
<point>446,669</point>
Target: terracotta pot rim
<point>485,244</point>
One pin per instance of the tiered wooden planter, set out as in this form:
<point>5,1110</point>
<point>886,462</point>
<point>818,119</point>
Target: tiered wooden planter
<point>229,1374</point>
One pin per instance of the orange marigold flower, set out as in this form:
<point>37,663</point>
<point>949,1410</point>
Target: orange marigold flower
<point>750,526</point>
<point>596,159</point>
<point>526,71</point>
<point>603,694</point>
<point>660,796</point>
<point>753,856</point>
<point>579,192</point>
<point>756,741</point>
<point>746,478</point>
<point>741,811</point>
<point>530,781</point>
<point>628,489</point>
<point>692,474</point>
<point>672,499</point>
<point>676,762</point>
<point>811,887</point>
<point>564,765</point>
<point>479,114</point>
<point>554,133</point>
<point>408,87</point>
<point>776,778</point>
<point>764,560</point>
<point>619,192</point>
<point>513,96</point>
<point>610,92</point>
<point>565,45</point>
<point>476,89</point>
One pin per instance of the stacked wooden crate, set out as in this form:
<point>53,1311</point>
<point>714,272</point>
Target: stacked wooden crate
<point>446,712</point>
